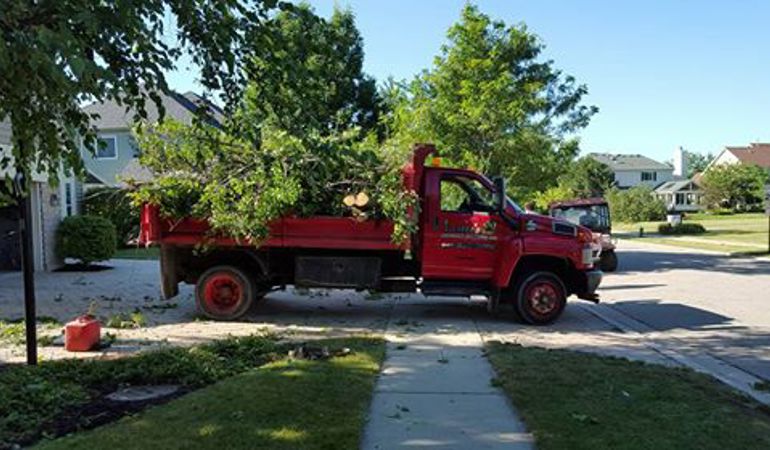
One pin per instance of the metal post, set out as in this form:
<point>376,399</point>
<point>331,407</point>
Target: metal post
<point>28,266</point>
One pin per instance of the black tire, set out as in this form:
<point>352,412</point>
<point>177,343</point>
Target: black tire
<point>532,306</point>
<point>609,261</point>
<point>224,293</point>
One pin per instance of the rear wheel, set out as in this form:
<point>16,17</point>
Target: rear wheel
<point>541,298</point>
<point>224,293</point>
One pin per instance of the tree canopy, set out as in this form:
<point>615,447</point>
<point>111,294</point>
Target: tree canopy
<point>305,139</point>
<point>735,186</point>
<point>697,162</point>
<point>587,177</point>
<point>491,102</point>
<point>57,55</point>
<point>311,79</point>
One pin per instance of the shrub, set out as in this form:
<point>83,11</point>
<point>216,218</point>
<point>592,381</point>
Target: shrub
<point>86,238</point>
<point>554,194</point>
<point>635,205</point>
<point>681,228</point>
<point>114,204</point>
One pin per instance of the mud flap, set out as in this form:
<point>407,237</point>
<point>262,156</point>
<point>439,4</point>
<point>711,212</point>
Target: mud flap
<point>169,282</point>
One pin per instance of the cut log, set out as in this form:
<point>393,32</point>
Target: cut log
<point>349,200</point>
<point>361,199</point>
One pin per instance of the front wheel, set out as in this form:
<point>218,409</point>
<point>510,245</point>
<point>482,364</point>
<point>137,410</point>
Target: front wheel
<point>224,293</point>
<point>541,298</point>
<point>608,262</point>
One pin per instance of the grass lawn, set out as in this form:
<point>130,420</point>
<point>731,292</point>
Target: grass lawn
<point>573,400</point>
<point>285,404</point>
<point>737,233</point>
<point>138,253</point>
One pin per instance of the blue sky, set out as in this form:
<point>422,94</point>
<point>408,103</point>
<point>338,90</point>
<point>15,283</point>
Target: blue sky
<point>663,73</point>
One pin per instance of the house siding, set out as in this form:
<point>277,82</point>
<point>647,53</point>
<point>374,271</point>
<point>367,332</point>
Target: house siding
<point>108,170</point>
<point>632,178</point>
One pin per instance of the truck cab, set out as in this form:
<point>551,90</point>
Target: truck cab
<point>471,240</point>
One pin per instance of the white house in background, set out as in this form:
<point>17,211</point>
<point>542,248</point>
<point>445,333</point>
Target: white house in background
<point>680,196</point>
<point>635,170</point>
<point>118,158</point>
<point>49,205</point>
<point>755,153</point>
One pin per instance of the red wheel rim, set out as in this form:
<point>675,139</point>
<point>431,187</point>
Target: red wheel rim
<point>543,298</point>
<point>223,293</point>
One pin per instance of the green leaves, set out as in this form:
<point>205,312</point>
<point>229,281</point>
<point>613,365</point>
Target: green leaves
<point>736,186</point>
<point>491,103</point>
<point>637,204</point>
<point>55,56</point>
<point>240,188</point>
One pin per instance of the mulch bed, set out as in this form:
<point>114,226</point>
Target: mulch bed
<point>99,411</point>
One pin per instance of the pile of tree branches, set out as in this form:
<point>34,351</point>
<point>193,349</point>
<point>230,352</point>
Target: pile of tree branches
<point>240,187</point>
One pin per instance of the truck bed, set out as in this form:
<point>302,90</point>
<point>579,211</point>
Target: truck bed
<point>321,232</point>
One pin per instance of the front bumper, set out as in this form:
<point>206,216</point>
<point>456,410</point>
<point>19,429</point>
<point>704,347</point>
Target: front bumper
<point>590,283</point>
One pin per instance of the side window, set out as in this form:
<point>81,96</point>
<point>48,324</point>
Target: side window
<point>463,194</point>
<point>453,196</point>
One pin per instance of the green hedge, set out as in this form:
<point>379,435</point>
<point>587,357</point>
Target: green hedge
<point>682,228</point>
<point>114,205</point>
<point>86,238</point>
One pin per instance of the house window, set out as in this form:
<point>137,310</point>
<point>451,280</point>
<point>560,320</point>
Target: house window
<point>107,148</point>
<point>68,199</point>
<point>649,176</point>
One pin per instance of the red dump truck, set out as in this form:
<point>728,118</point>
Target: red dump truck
<point>471,243</point>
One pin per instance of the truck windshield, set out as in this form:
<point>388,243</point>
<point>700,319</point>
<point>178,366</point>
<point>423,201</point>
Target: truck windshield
<point>593,217</point>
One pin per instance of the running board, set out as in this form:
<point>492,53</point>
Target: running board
<point>454,288</point>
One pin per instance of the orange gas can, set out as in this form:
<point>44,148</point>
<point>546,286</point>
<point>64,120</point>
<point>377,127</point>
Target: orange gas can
<point>82,334</point>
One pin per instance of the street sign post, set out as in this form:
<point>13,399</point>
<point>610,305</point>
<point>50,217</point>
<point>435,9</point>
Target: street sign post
<point>767,213</point>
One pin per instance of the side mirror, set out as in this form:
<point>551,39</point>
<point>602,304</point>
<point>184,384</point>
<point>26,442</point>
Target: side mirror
<point>499,194</point>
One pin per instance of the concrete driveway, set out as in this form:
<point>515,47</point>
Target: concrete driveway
<point>696,302</point>
<point>132,285</point>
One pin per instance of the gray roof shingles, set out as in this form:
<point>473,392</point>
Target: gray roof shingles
<point>179,107</point>
<point>618,162</point>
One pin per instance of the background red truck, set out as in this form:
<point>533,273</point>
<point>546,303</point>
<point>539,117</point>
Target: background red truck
<point>472,239</point>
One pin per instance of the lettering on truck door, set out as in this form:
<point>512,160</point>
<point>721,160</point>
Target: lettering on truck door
<point>462,231</point>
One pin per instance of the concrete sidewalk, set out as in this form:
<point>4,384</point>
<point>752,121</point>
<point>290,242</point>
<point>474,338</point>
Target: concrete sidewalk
<point>435,390</point>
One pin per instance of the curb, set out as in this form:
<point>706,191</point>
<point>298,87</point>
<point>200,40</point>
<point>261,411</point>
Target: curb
<point>732,376</point>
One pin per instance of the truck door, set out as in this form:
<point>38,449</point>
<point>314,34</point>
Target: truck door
<point>460,227</point>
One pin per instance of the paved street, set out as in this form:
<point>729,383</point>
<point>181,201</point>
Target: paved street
<point>697,302</point>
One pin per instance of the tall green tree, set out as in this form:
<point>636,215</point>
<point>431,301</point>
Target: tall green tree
<point>736,186</point>
<point>587,177</point>
<point>491,102</point>
<point>637,204</point>
<point>697,162</point>
<point>312,80</point>
<point>56,55</point>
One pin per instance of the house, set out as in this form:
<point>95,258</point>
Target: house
<point>117,158</point>
<point>635,170</point>
<point>755,153</point>
<point>50,204</point>
<point>680,195</point>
